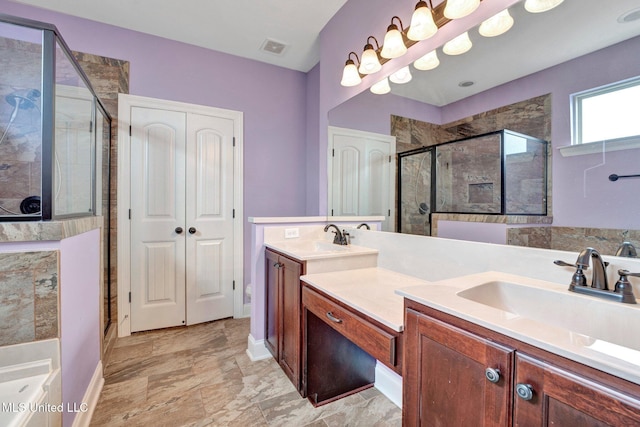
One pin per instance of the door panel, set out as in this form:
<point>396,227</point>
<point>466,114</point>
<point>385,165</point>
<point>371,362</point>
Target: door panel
<point>209,209</point>
<point>157,209</point>
<point>361,174</point>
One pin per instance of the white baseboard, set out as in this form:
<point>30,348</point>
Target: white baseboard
<point>256,349</point>
<point>247,310</point>
<point>389,383</point>
<point>91,396</point>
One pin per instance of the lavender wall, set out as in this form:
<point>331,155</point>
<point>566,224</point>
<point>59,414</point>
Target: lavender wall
<point>273,100</point>
<point>79,322</point>
<point>348,31</point>
<point>582,194</point>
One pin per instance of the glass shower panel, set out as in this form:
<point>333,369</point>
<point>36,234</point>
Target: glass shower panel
<point>20,121</point>
<point>525,161</point>
<point>415,193</point>
<point>469,175</point>
<point>74,141</point>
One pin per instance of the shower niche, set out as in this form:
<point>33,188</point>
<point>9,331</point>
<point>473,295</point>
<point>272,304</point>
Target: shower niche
<point>54,131</point>
<point>497,173</point>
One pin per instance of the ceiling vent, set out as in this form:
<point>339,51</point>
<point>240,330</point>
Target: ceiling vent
<point>273,47</point>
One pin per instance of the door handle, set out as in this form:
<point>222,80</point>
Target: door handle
<point>192,230</point>
<point>179,230</point>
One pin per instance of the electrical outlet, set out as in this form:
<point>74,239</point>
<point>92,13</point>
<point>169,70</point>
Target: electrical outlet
<point>291,233</point>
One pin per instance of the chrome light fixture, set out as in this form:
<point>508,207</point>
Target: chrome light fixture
<point>456,9</point>
<point>393,45</point>
<point>498,24</point>
<point>350,75</point>
<point>422,24</point>
<point>370,62</point>
<point>538,6</point>
<point>458,45</point>
<point>427,62</point>
<point>403,75</point>
<point>381,87</point>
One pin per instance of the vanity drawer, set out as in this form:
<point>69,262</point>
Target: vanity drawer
<point>379,343</point>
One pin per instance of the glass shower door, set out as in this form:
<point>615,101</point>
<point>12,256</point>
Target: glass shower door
<point>414,192</point>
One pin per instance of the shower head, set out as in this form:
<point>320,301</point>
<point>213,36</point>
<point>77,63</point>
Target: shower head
<point>25,100</point>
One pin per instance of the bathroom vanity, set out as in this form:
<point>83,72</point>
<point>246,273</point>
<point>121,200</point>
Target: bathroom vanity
<point>471,335</point>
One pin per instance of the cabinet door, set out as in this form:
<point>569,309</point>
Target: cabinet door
<point>290,324</point>
<point>445,376</point>
<point>562,398</point>
<point>272,273</point>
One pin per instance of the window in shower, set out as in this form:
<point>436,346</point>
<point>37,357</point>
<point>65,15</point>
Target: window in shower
<point>20,121</point>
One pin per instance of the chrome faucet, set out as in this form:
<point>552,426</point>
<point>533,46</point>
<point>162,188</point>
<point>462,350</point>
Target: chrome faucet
<point>339,238</point>
<point>599,277</point>
<point>623,291</point>
<point>626,249</point>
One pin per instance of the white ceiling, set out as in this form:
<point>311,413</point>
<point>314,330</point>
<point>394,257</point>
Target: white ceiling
<point>237,27</point>
<point>240,27</point>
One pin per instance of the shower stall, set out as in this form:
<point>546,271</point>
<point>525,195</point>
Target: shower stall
<point>54,131</point>
<point>497,173</point>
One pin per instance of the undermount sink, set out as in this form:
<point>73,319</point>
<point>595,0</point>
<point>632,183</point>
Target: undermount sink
<point>316,246</point>
<point>584,315</point>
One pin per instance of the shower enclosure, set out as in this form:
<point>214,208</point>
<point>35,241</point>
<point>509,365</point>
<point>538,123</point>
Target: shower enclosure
<point>55,134</point>
<point>54,131</point>
<point>498,173</point>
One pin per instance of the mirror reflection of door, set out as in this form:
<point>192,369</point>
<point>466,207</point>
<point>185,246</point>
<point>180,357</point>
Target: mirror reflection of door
<point>361,174</point>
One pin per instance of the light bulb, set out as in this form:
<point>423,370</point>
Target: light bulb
<point>403,75</point>
<point>458,46</point>
<point>350,76</point>
<point>422,24</point>
<point>393,46</point>
<point>498,24</point>
<point>381,87</point>
<point>456,9</point>
<point>370,63</point>
<point>538,6</point>
<point>427,62</point>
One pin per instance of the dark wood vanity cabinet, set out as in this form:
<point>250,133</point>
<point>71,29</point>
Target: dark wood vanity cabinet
<point>445,380</point>
<point>457,373</point>
<point>282,309</point>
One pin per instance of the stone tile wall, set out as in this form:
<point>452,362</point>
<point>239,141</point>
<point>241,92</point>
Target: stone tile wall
<point>605,240</point>
<point>29,301</point>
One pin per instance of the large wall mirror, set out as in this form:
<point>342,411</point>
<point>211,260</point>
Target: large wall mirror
<point>524,76</point>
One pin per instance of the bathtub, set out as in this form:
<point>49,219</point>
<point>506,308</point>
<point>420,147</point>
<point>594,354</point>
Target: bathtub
<point>29,390</point>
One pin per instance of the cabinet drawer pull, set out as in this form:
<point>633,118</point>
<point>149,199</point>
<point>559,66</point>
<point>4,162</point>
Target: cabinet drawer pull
<point>493,375</point>
<point>333,318</point>
<point>524,391</point>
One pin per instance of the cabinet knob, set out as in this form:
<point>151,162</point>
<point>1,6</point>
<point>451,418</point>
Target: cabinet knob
<point>493,375</point>
<point>192,230</point>
<point>179,230</point>
<point>524,391</point>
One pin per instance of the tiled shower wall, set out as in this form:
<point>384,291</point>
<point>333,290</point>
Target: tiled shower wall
<point>28,296</point>
<point>530,117</point>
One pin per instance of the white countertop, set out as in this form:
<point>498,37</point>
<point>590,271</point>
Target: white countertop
<point>305,250</point>
<point>602,349</point>
<point>368,290</point>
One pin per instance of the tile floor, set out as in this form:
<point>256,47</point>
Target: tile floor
<point>201,376</point>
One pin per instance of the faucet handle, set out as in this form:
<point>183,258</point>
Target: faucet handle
<point>623,286</point>
<point>578,278</point>
<point>564,263</point>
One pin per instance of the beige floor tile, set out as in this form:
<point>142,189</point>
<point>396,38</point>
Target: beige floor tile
<point>200,376</point>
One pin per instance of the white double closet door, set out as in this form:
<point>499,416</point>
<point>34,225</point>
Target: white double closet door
<point>181,218</point>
